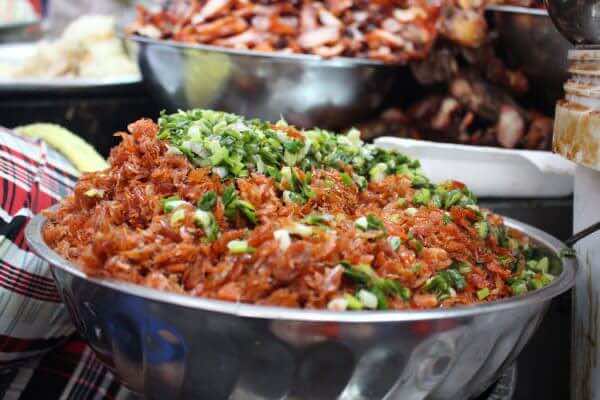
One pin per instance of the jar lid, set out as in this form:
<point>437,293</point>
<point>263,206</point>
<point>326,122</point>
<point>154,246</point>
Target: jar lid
<point>584,53</point>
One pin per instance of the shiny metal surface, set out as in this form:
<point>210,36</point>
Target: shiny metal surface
<point>169,346</point>
<point>577,20</point>
<point>20,31</point>
<point>529,40</point>
<point>306,90</point>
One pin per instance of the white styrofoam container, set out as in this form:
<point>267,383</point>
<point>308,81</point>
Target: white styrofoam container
<point>490,171</point>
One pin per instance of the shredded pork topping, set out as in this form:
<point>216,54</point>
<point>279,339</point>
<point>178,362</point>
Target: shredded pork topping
<point>213,205</point>
<point>386,30</point>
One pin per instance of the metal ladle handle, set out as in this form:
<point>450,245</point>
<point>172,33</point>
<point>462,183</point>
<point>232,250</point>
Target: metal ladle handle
<point>580,235</point>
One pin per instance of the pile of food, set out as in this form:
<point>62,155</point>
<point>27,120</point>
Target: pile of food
<point>88,48</point>
<point>468,96</point>
<point>388,30</point>
<point>214,205</point>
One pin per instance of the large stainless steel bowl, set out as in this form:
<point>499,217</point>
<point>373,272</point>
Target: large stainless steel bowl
<point>529,40</point>
<point>306,90</point>
<point>169,346</point>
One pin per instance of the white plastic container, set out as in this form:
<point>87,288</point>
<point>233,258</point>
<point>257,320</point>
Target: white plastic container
<point>577,137</point>
<point>490,171</point>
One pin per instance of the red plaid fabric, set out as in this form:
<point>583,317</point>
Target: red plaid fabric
<point>33,321</point>
<point>71,372</point>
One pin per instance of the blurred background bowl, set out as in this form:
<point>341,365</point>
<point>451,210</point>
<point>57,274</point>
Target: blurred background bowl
<point>577,20</point>
<point>306,90</point>
<point>529,39</point>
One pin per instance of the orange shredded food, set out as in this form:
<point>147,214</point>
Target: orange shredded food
<point>124,233</point>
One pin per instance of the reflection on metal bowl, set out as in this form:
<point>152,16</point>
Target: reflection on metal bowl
<point>20,31</point>
<point>165,345</point>
<point>530,41</point>
<point>306,90</point>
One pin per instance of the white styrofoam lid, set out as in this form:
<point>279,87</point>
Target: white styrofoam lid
<point>489,171</point>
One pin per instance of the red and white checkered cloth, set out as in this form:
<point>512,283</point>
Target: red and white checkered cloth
<point>39,357</point>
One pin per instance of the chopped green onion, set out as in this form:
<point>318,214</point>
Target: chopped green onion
<point>338,304</point>
<point>378,172</point>
<point>475,208</point>
<point>283,239</point>
<point>240,247</point>
<point>300,229</point>
<point>171,203</point>
<point>546,279</point>
<point>346,179</point>
<point>95,192</point>
<point>292,198</point>
<point>382,303</point>
<point>464,267</point>
<point>518,287</point>
<point>535,284</point>
<point>374,223</point>
<point>482,294</point>
<point>416,245</point>
<point>543,265</point>
<point>405,293</point>
<point>417,267</point>
<point>177,217</point>
<point>436,201</point>
<point>422,197</point>
<point>352,302</point>
<point>234,146</point>
<point>208,201</point>
<point>207,222</point>
<point>452,197</point>
<point>353,136</point>
<point>483,229</point>
<point>411,212</point>
<point>394,242</point>
<point>221,171</point>
<point>369,223</point>
<point>368,299</point>
<point>247,209</point>
<point>418,180</point>
<point>234,206</point>
<point>360,181</point>
<point>361,223</point>
<point>446,219</point>
<point>318,219</point>
<point>286,177</point>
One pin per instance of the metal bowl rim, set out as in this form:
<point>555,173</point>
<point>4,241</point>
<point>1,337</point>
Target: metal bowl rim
<point>561,284</point>
<point>335,62</point>
<point>541,12</point>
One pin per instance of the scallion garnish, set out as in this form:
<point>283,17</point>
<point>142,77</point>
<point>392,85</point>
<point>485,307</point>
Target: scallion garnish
<point>240,247</point>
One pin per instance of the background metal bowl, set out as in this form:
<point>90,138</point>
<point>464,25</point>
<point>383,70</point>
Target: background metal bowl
<point>577,20</point>
<point>307,90</point>
<point>529,40</point>
<point>168,346</point>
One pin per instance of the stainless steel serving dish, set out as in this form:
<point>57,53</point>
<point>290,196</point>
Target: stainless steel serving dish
<point>306,90</point>
<point>169,346</point>
<point>529,40</point>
